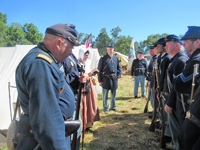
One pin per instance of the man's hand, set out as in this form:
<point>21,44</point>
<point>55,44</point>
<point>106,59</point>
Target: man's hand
<point>159,96</point>
<point>168,109</point>
<point>149,85</point>
<point>84,78</point>
<point>118,77</point>
<point>100,83</point>
<point>132,76</point>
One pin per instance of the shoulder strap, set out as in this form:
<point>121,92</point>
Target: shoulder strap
<point>72,60</point>
<point>169,83</point>
<point>107,64</point>
<point>41,55</point>
<point>45,57</point>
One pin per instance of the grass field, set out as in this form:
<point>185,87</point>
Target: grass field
<point>126,129</point>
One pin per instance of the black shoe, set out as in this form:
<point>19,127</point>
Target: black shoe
<point>150,116</point>
<point>143,95</point>
<point>135,97</point>
<point>116,110</point>
<point>168,139</point>
<point>157,125</point>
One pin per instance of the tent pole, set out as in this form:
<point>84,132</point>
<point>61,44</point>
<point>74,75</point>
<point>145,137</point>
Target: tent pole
<point>10,101</point>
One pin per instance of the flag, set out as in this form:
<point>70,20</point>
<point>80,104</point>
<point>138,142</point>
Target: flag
<point>88,42</point>
<point>131,54</point>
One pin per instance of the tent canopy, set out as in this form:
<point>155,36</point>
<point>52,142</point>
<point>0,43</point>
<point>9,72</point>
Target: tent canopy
<point>9,60</point>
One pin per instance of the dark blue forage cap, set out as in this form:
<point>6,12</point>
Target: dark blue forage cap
<point>140,52</point>
<point>151,47</point>
<point>161,41</point>
<point>66,31</point>
<point>173,38</point>
<point>192,33</point>
<point>110,45</point>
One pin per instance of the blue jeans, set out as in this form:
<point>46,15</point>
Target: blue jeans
<point>105,98</point>
<point>141,79</point>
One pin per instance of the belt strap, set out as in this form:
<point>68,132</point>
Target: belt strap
<point>192,118</point>
<point>139,68</point>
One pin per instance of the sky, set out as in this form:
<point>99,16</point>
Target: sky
<point>138,18</point>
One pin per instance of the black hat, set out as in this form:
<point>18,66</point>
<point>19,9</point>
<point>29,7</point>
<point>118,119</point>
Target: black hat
<point>192,33</point>
<point>151,47</point>
<point>110,45</point>
<point>173,38</point>
<point>140,52</point>
<point>66,31</point>
<point>155,44</point>
<point>161,41</point>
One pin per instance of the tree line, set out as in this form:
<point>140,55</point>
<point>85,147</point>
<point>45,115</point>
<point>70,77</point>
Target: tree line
<point>28,34</point>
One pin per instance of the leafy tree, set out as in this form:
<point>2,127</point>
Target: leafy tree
<point>32,34</point>
<point>144,45</point>
<point>3,29</point>
<point>123,44</point>
<point>80,36</point>
<point>16,35</point>
<point>102,40</point>
<point>115,33</point>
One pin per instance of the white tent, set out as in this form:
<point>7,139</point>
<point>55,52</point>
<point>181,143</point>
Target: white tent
<point>123,60</point>
<point>9,60</point>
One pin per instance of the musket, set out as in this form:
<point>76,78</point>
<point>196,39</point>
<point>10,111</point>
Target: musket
<point>195,76</point>
<point>152,125</point>
<point>162,143</point>
<point>81,85</point>
<point>148,99</point>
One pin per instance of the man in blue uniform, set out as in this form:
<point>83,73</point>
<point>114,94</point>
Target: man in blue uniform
<point>45,97</point>
<point>176,66</point>
<point>109,72</point>
<point>150,73</point>
<point>72,67</point>
<point>190,128</point>
<point>139,71</point>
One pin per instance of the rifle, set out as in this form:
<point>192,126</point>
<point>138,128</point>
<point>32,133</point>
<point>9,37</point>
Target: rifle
<point>148,99</point>
<point>195,76</point>
<point>152,125</point>
<point>162,143</point>
<point>74,141</point>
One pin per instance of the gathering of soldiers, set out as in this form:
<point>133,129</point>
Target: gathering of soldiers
<point>52,82</point>
<point>173,83</point>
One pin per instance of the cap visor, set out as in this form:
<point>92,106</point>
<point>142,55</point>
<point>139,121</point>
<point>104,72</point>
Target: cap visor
<point>77,44</point>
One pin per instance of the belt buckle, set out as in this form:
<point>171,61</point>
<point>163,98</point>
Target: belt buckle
<point>188,115</point>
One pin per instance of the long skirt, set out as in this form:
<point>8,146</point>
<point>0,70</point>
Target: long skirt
<point>91,110</point>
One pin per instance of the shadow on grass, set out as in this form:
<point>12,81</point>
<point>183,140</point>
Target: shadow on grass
<point>124,98</point>
<point>121,131</point>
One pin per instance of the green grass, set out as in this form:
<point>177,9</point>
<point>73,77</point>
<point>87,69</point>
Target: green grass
<point>126,129</point>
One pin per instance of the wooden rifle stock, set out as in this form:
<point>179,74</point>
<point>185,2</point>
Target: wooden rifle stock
<point>162,143</point>
<point>81,85</point>
<point>146,106</point>
<point>152,125</point>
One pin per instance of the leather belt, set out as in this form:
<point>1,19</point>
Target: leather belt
<point>192,118</point>
<point>139,68</point>
<point>110,75</point>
